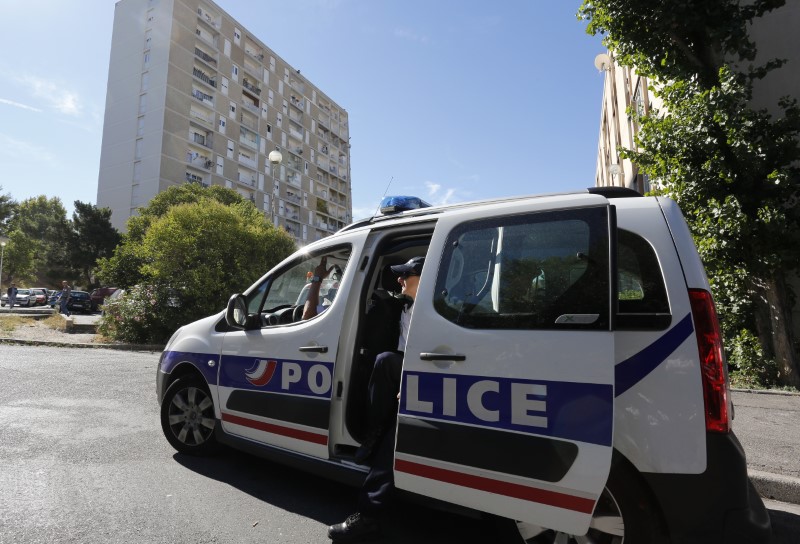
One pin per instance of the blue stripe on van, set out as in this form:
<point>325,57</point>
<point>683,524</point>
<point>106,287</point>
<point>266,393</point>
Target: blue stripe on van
<point>634,369</point>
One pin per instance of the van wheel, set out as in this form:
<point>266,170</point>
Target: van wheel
<point>187,416</point>
<point>625,514</point>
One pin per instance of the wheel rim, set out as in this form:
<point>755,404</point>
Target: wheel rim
<point>606,527</point>
<point>191,416</point>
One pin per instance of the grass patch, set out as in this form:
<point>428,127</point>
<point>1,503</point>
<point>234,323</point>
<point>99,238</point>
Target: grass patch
<point>9,323</point>
<point>55,322</point>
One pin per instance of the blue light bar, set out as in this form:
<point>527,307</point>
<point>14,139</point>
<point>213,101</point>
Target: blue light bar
<point>397,204</point>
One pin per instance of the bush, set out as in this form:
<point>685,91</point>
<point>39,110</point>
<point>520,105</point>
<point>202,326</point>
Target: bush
<point>143,315</point>
<point>749,368</point>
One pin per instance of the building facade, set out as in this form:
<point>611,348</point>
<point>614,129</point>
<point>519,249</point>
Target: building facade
<point>194,97</point>
<point>775,37</point>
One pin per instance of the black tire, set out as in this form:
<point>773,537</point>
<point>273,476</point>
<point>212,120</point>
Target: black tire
<point>625,514</point>
<point>187,417</point>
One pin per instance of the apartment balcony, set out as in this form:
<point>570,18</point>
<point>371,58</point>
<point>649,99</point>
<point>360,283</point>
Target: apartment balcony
<point>294,133</point>
<point>205,57</point>
<point>203,97</point>
<point>247,179</point>
<point>247,161</point>
<point>250,86</point>
<point>291,197</point>
<point>251,107</point>
<point>199,74</point>
<point>207,37</point>
<point>202,139</point>
<point>255,71</point>
<point>294,179</point>
<point>194,178</point>
<point>202,118</point>
<point>296,117</point>
<point>211,19</point>
<point>198,161</point>
<point>254,52</point>
<point>249,122</point>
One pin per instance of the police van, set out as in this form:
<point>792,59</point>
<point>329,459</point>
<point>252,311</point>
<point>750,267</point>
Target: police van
<point>563,369</point>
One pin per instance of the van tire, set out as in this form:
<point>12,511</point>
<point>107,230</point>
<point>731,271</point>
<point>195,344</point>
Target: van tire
<point>187,417</point>
<point>625,501</point>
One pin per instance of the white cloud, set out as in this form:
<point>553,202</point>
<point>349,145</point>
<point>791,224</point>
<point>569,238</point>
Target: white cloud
<point>410,35</point>
<point>18,105</point>
<point>55,94</point>
<point>437,196</point>
<point>22,150</point>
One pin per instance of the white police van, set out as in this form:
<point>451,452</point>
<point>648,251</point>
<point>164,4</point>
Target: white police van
<point>563,369</point>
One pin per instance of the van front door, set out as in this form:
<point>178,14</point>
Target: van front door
<point>276,382</point>
<point>508,380</point>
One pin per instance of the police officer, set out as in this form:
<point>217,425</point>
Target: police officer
<point>384,386</point>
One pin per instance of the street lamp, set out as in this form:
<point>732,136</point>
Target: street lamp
<point>275,158</point>
<point>2,254</point>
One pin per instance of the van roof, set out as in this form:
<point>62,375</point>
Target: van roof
<point>608,192</point>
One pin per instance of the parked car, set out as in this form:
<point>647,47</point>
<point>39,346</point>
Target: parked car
<point>79,301</point>
<point>52,297</point>
<point>111,298</point>
<point>41,296</point>
<point>99,295</point>
<point>563,369</point>
<point>23,298</point>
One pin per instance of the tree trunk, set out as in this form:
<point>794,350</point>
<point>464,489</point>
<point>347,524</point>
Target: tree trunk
<point>774,326</point>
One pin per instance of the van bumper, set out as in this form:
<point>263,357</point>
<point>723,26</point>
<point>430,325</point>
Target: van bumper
<point>718,506</point>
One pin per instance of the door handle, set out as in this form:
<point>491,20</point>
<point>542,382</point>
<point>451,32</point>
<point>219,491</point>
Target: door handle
<point>314,349</point>
<point>442,357</point>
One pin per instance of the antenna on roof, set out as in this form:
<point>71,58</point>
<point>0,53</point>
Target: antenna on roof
<point>384,196</point>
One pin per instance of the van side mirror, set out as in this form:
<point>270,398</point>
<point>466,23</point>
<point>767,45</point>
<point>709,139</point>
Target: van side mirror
<point>236,315</point>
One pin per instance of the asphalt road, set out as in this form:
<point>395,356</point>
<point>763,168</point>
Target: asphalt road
<point>83,460</point>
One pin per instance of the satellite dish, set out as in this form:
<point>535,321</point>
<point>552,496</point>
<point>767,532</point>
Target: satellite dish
<point>602,62</point>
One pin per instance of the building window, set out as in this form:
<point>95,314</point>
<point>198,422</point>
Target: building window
<point>237,36</point>
<point>137,154</point>
<point>146,60</point>
<point>142,104</point>
<point>140,126</point>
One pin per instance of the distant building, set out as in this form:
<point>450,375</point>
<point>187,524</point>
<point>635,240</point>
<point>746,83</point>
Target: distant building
<point>194,97</point>
<point>775,36</point>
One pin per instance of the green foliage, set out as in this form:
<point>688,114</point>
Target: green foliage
<point>195,247</point>
<point>8,207</point>
<point>143,315</point>
<point>92,237</point>
<point>732,169</point>
<point>19,262</point>
<point>751,369</point>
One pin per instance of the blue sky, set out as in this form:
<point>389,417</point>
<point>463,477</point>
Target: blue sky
<point>451,100</point>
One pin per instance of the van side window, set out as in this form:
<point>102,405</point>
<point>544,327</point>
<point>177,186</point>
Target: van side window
<point>547,270</point>
<point>643,302</point>
<point>285,293</point>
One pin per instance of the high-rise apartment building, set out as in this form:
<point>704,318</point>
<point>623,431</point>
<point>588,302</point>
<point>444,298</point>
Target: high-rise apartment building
<point>194,97</point>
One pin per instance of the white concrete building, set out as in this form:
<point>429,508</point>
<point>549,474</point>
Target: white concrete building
<point>194,97</point>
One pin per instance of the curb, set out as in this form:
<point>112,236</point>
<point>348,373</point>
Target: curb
<point>122,347</point>
<point>767,392</point>
<point>776,486</point>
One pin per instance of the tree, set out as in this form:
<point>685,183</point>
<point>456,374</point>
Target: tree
<point>19,263</point>
<point>91,238</point>
<point>44,222</point>
<point>732,169</point>
<point>7,209</point>
<point>190,256</point>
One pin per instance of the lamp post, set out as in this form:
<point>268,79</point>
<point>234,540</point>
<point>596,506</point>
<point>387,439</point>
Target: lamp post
<point>2,254</point>
<point>275,158</point>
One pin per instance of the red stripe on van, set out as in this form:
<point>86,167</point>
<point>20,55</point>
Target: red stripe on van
<point>276,429</point>
<point>517,491</point>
